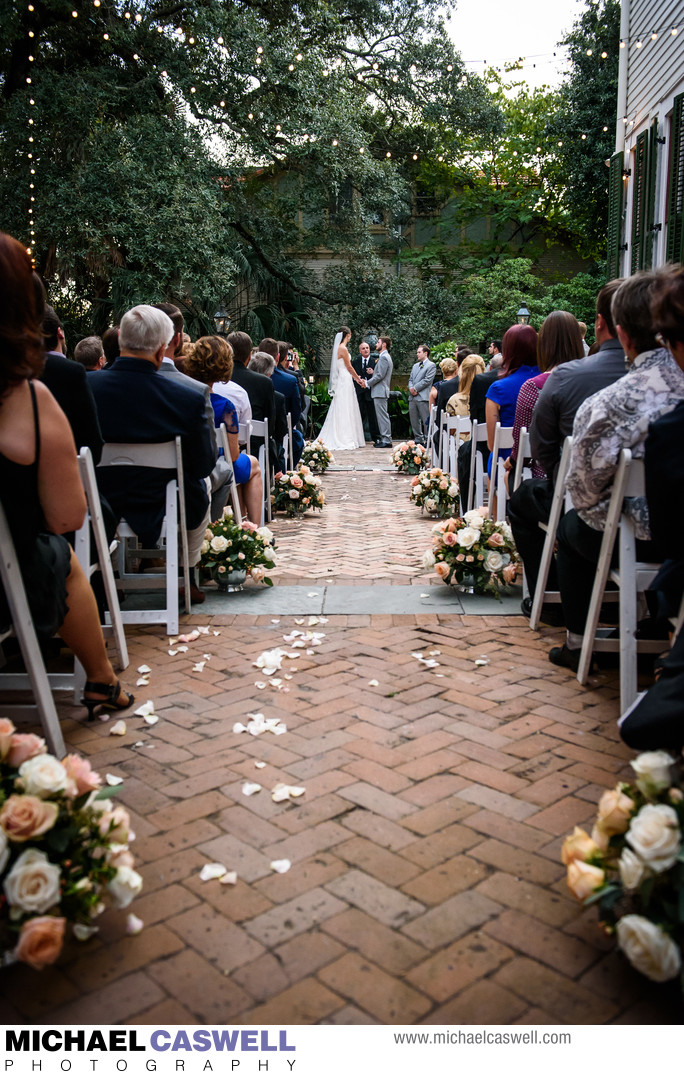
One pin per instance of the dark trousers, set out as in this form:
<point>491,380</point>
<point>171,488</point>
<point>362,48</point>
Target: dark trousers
<point>579,546</point>
<point>368,417</point>
<point>529,505</point>
<point>463,468</point>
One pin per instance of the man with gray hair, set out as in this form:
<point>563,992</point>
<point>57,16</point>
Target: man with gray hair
<point>136,405</point>
<point>89,353</point>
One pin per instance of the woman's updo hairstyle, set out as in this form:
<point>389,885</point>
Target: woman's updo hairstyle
<point>210,360</point>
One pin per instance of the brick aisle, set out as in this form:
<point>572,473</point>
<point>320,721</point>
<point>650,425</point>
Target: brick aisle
<point>425,884</point>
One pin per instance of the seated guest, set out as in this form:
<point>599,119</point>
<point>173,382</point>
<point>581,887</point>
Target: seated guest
<point>210,361</point>
<point>68,383</point>
<point>519,364</point>
<point>583,333</point>
<point>552,420</point>
<point>442,391</point>
<point>258,387</point>
<point>110,346</point>
<point>617,417</point>
<point>90,354</point>
<point>40,487</point>
<point>285,383</point>
<point>138,405</point>
<point>264,363</point>
<point>458,404</point>
<point>559,341</point>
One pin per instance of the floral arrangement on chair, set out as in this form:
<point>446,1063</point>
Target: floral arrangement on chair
<point>295,491</point>
<point>229,546</point>
<point>409,457</point>
<point>474,551</point>
<point>436,492</point>
<point>63,850</point>
<point>317,455</point>
<point>632,865</point>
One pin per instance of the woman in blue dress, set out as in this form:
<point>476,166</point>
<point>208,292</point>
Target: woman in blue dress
<point>210,361</point>
<point>519,350</point>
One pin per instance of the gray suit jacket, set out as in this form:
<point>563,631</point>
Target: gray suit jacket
<point>422,376</point>
<point>379,383</point>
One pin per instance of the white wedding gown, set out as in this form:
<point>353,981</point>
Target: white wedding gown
<point>343,427</point>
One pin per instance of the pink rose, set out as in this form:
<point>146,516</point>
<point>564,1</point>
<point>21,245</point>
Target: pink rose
<point>7,730</point>
<point>484,512</point>
<point>241,556</point>
<point>246,525</point>
<point>449,538</point>
<point>470,559</point>
<point>496,541</point>
<point>118,856</point>
<point>460,557</point>
<point>441,569</point>
<point>40,941</point>
<point>509,573</point>
<point>444,484</point>
<point>416,459</point>
<point>278,476</point>
<point>415,481</point>
<point>452,524</point>
<point>82,778</point>
<point>115,825</point>
<point>24,817</point>
<point>297,482</point>
<point>23,747</point>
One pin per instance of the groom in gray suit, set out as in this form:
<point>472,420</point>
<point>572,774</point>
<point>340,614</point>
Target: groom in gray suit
<point>379,385</point>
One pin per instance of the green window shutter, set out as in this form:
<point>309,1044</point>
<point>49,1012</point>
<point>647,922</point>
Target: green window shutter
<point>675,202</point>
<point>639,201</point>
<point>650,201</point>
<point>615,186</point>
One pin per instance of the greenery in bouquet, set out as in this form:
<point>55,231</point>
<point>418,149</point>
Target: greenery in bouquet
<point>63,850</point>
<point>231,546</point>
<point>632,865</point>
<point>409,457</point>
<point>317,455</point>
<point>474,551</point>
<point>436,492</point>
<point>295,491</point>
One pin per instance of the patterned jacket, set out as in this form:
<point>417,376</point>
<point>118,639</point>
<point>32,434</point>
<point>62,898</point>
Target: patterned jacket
<point>618,417</point>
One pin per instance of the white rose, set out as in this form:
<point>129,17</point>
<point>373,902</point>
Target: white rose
<point>493,561</point>
<point>453,490</point>
<point>467,537</point>
<point>648,948</point>
<point>632,870</point>
<point>43,776</point>
<point>125,886</point>
<point>33,883</point>
<point>428,560</point>
<point>654,835</point>
<point>430,504</point>
<point>293,494</point>
<point>4,850</point>
<point>653,770</point>
<point>227,512</point>
<point>311,480</point>
<point>473,519</point>
<point>265,533</point>
<point>269,553</point>
<point>204,548</point>
<point>505,529</point>
<point>219,543</point>
<point>258,573</point>
<point>425,480</point>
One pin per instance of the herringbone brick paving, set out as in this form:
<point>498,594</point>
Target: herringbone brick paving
<point>425,884</point>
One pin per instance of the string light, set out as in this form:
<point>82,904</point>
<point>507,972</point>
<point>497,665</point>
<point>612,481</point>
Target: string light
<point>673,31</point>
<point>299,56</point>
<point>219,40</point>
<point>639,44</point>
<point>334,141</point>
<point>259,50</point>
<point>415,156</point>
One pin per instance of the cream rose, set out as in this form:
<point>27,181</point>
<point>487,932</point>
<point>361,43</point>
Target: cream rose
<point>653,770</point>
<point>600,838</point>
<point>578,846</point>
<point>204,548</point>
<point>493,562</point>
<point>441,569</point>
<point>467,537</point>
<point>24,817</point>
<point>648,948</point>
<point>23,747</point>
<point>583,879</point>
<point>269,553</point>
<point>449,538</point>
<point>43,776</point>
<point>293,494</point>
<point>428,560</point>
<point>430,504</point>
<point>265,533</point>
<point>258,573</point>
<point>496,540</point>
<point>81,777</point>
<point>632,869</point>
<point>125,886</point>
<point>655,836</point>
<point>473,519</point>
<point>40,941</point>
<point>115,825</point>
<point>7,730</point>
<point>32,885</point>
<point>614,811</point>
<point>444,485</point>
<point>509,573</point>
<point>118,855</point>
<point>219,543</point>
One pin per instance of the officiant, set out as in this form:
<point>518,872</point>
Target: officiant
<point>364,364</point>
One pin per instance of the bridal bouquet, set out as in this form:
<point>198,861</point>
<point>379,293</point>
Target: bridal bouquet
<point>409,457</point>
<point>632,865</point>
<point>63,850</point>
<point>436,492</point>
<point>229,546</point>
<point>295,491</point>
<point>317,455</point>
<point>474,551</point>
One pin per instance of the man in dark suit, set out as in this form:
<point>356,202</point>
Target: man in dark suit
<point>258,387</point>
<point>137,405</point>
<point>287,384</point>
<point>364,366</point>
<point>69,385</point>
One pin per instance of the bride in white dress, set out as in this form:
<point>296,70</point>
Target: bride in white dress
<point>343,426</point>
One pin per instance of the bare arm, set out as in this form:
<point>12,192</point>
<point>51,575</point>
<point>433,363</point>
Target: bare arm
<point>233,446</point>
<point>343,353</point>
<point>492,412</point>
<point>60,490</point>
<point>433,395</point>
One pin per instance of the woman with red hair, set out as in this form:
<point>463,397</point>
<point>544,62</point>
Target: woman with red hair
<point>519,349</point>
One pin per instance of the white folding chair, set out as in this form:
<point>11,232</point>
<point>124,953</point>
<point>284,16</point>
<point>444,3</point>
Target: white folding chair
<point>223,443</point>
<point>560,502</point>
<point>288,443</point>
<point>498,492</point>
<point>164,456</point>
<point>523,471</point>
<point>244,434</point>
<point>434,452</point>
<point>631,577</point>
<point>452,442</point>
<point>476,485</point>
<point>260,429</point>
<point>22,626</point>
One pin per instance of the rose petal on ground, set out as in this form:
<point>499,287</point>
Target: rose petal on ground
<point>229,878</point>
<point>435,652</point>
<point>373,683</point>
<point>275,682</point>
<point>139,743</point>
<point>314,593</point>
<point>113,781</point>
<point>425,595</point>
<point>144,668</point>
<point>299,621</point>
<point>418,656</point>
<point>207,656</point>
<point>189,638</point>
<point>281,865</point>
<point>203,630</point>
<point>173,652</point>
<point>151,718</point>
<point>275,621</point>
<point>216,633</point>
<point>211,871</point>
<point>134,925</point>
<point>182,649</point>
<point>323,619</point>
<point>260,686</point>
<point>142,682</point>
<point>283,792</point>
<point>119,728</point>
<point>259,764</point>
<point>310,652</point>
<point>237,728</point>
<point>286,676</point>
<point>248,788</point>
<point>481,661</point>
<point>199,667</point>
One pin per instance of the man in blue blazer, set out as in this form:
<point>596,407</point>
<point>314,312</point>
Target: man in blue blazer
<point>136,405</point>
<point>287,384</point>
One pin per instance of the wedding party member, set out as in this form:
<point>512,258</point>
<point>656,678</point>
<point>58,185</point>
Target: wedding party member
<point>420,382</point>
<point>379,385</point>
<point>40,487</point>
<point>519,364</point>
<point>90,354</point>
<point>343,427</point>
<point>552,420</point>
<point>364,367</point>
<point>137,405</point>
<point>210,361</point>
<point>615,418</point>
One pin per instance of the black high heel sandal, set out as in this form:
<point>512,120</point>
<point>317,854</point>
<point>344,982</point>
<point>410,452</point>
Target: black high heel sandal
<point>112,692</point>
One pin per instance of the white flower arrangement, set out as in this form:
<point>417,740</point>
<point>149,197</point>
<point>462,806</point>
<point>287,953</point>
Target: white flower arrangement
<point>409,457</point>
<point>296,491</point>
<point>436,492</point>
<point>317,455</point>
